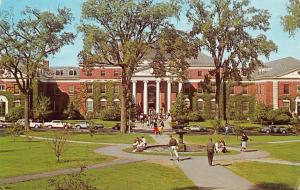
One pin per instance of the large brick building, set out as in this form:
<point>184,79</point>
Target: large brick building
<point>277,85</point>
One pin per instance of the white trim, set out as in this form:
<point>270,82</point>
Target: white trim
<point>4,99</point>
<point>4,87</point>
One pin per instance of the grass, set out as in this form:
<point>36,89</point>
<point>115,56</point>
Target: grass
<point>129,150</point>
<point>139,175</point>
<point>209,124</point>
<point>107,124</point>
<point>99,138</point>
<point>269,176</point>
<point>28,157</point>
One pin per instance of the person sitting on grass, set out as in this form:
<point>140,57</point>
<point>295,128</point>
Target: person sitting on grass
<point>135,144</point>
<point>222,146</point>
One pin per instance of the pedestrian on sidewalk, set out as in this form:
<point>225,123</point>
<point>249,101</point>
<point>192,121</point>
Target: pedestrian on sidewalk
<point>244,142</point>
<point>173,146</point>
<point>210,151</point>
<point>155,128</point>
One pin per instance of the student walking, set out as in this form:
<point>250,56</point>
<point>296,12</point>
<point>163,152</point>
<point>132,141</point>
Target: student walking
<point>173,145</point>
<point>244,142</point>
<point>210,151</point>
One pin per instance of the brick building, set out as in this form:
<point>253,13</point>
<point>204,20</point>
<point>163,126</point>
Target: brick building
<point>277,85</point>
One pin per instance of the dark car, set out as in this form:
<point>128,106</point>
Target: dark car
<point>117,127</point>
<point>274,129</point>
<point>4,124</point>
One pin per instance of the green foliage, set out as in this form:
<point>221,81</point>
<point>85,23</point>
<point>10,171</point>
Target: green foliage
<point>291,21</point>
<point>72,112</point>
<point>111,113</point>
<point>260,113</point>
<point>179,109</point>
<point>207,112</point>
<point>71,182</point>
<point>195,116</point>
<point>235,106</point>
<point>279,116</point>
<point>42,109</point>
<point>15,113</point>
<point>58,142</point>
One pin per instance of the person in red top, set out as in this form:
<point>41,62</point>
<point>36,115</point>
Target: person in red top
<point>155,128</point>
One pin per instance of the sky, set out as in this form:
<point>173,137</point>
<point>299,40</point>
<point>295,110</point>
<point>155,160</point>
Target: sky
<point>287,46</point>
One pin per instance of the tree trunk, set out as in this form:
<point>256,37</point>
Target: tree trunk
<point>217,97</point>
<point>224,101</point>
<point>26,112</point>
<point>124,94</point>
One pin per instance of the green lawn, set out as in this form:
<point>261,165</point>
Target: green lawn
<point>99,138</point>
<point>209,124</point>
<point>269,176</point>
<point>234,140</point>
<point>287,151</point>
<point>24,157</point>
<point>139,175</point>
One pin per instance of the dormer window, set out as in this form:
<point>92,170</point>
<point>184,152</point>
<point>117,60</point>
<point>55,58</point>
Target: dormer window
<point>59,72</point>
<point>72,72</point>
<point>2,71</point>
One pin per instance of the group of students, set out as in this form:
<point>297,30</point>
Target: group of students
<point>220,146</point>
<point>139,144</point>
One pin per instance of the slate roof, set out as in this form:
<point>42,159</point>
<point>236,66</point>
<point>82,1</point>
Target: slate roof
<point>277,68</point>
<point>52,72</point>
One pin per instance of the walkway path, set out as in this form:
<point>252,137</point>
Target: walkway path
<point>196,168</point>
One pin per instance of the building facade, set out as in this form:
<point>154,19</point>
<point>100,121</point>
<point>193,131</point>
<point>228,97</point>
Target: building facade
<point>277,85</point>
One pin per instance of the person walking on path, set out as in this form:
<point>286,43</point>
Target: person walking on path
<point>244,142</point>
<point>210,151</point>
<point>173,147</point>
<point>155,128</point>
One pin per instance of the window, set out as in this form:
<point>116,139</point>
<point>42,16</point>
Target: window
<point>89,89</point>
<point>102,103</point>
<point>2,109</point>
<point>213,105</point>
<point>298,88</point>
<point>102,88</point>
<point>187,103</point>
<point>245,90</point>
<point>116,89</point>
<point>89,72</point>
<point>59,72</point>
<point>199,89</point>
<point>200,105</point>
<point>213,88</point>
<point>287,104</point>
<point>102,73</point>
<point>71,89</point>
<point>17,103</point>
<point>245,107</point>
<point>72,72</point>
<point>286,89</point>
<point>16,89</point>
<point>2,87</point>
<point>199,73</point>
<point>116,73</point>
<point>174,88</point>
<point>231,90</point>
<point>89,105</point>
<point>117,102</point>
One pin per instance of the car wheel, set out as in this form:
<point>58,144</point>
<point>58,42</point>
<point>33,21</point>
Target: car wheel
<point>36,126</point>
<point>78,127</point>
<point>268,131</point>
<point>49,126</point>
<point>283,132</point>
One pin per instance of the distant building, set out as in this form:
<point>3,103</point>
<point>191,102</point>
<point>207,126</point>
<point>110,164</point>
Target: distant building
<point>277,85</point>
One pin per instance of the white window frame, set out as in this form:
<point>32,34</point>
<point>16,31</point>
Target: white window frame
<point>286,101</point>
<point>89,108</point>
<point>3,87</point>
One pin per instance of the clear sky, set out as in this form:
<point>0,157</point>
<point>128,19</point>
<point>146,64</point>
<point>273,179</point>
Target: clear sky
<point>68,55</point>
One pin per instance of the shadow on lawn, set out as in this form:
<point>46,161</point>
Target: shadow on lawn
<point>188,188</point>
<point>275,186</point>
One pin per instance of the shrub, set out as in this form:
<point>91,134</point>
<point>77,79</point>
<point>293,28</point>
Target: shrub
<point>15,130</point>
<point>279,116</point>
<point>195,116</point>
<point>111,114</point>
<point>15,113</point>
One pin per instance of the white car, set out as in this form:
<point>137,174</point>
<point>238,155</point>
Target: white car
<point>32,124</point>
<point>56,124</point>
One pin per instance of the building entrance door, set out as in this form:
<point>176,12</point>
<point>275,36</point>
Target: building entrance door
<point>2,109</point>
<point>151,97</point>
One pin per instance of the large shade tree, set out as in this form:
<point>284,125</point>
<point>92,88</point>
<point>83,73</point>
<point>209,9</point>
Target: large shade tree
<point>123,32</point>
<point>223,28</point>
<point>25,44</point>
<point>291,21</point>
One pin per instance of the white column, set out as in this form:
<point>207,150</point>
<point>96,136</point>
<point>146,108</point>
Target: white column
<point>275,94</point>
<point>157,96</point>
<point>179,86</point>
<point>169,96</point>
<point>134,91</point>
<point>145,97</point>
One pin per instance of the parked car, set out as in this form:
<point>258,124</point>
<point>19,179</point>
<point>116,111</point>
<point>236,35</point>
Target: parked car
<point>196,128</point>
<point>32,124</point>
<point>86,125</point>
<point>56,124</point>
<point>117,126</point>
<point>4,124</point>
<point>274,129</point>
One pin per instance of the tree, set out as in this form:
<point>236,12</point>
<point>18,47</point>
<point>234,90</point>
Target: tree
<point>291,21</point>
<point>59,141</point>
<point>179,110</point>
<point>121,33</point>
<point>25,44</point>
<point>222,28</point>
<point>42,108</point>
